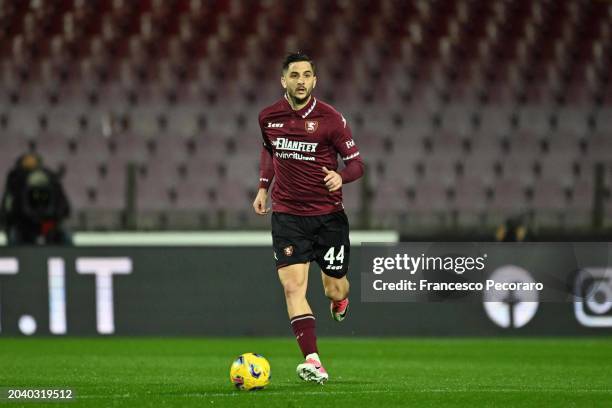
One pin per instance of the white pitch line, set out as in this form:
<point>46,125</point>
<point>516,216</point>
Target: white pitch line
<point>332,392</point>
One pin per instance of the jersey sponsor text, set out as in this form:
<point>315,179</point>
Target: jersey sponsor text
<point>283,143</point>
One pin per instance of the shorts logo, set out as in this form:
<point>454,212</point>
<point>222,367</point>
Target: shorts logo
<point>288,250</point>
<point>311,126</point>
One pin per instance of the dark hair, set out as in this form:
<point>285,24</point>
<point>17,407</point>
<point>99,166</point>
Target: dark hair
<point>296,57</point>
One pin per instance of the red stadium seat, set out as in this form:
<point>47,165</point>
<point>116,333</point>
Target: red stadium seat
<point>455,99</point>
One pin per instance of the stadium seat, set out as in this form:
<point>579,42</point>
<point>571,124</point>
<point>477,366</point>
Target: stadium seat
<point>447,100</point>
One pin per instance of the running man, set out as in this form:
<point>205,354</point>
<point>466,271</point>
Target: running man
<point>302,138</point>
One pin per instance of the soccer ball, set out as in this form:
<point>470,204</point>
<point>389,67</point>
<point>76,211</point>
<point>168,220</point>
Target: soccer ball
<point>250,372</point>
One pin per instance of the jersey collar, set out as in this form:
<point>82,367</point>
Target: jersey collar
<point>306,110</point>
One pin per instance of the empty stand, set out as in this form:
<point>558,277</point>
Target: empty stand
<point>464,108</point>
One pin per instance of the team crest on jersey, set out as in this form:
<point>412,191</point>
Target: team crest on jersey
<point>288,250</point>
<point>311,126</point>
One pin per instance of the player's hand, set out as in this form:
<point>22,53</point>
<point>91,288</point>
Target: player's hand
<point>333,180</point>
<point>259,205</point>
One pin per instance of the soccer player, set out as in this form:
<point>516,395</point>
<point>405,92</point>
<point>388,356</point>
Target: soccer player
<point>302,138</point>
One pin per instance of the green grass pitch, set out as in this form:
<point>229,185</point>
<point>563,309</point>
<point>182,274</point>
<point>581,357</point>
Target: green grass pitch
<point>175,372</point>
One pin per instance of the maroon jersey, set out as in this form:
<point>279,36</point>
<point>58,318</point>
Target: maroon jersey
<point>297,145</point>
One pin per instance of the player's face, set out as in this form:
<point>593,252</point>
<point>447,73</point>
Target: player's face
<point>299,80</point>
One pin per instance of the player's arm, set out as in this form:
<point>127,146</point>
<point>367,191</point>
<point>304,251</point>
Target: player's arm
<point>343,141</point>
<point>266,175</point>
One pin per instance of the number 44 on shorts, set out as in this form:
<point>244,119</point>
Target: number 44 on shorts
<point>331,256</point>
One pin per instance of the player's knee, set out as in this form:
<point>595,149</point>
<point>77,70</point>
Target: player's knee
<point>337,290</point>
<point>331,292</point>
<point>293,288</point>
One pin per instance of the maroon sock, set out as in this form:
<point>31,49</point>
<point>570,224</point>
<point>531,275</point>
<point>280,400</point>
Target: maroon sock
<point>304,329</point>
